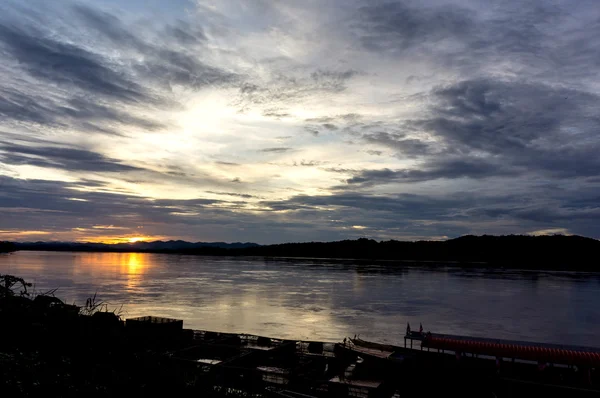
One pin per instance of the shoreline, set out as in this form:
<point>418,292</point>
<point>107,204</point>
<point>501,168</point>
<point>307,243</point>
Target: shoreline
<point>387,263</point>
<point>48,347</point>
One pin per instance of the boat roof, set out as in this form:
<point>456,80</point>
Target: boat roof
<point>539,352</point>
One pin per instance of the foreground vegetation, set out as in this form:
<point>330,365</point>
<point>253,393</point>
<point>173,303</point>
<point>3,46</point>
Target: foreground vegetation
<point>52,349</point>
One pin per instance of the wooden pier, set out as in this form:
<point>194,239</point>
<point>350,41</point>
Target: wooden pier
<point>244,365</point>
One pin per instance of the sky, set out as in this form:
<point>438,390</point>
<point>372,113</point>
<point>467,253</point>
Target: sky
<point>298,120</point>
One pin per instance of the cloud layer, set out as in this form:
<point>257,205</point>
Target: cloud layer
<point>278,121</point>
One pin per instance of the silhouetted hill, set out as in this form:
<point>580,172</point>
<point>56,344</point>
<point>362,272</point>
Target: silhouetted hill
<point>512,251</point>
<point>548,252</point>
<point>6,247</point>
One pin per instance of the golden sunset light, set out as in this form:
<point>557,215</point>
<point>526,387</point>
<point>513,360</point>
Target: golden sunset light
<point>137,239</point>
<point>120,239</point>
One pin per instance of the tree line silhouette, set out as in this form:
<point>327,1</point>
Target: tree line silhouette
<point>511,251</point>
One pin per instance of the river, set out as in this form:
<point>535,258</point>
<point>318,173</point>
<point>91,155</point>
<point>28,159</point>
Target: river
<point>324,300</point>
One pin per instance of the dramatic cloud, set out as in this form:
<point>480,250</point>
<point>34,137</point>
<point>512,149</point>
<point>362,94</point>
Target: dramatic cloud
<point>398,26</point>
<point>278,121</point>
<point>58,157</point>
<point>62,63</point>
<point>276,150</point>
<point>449,169</point>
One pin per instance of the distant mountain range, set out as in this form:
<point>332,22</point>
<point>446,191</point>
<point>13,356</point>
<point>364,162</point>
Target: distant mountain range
<point>156,246</point>
<point>556,252</point>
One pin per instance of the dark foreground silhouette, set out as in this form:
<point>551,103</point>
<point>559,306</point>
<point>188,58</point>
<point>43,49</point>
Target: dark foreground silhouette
<point>6,247</point>
<point>571,253</point>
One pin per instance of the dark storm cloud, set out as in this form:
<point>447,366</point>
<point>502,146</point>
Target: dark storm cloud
<point>277,150</point>
<point>24,108</point>
<point>309,163</point>
<point>545,36</point>
<point>49,206</point>
<point>80,113</point>
<point>498,116</point>
<point>55,196</point>
<point>183,203</point>
<point>285,89</point>
<point>332,80</point>
<point>109,25</point>
<point>535,126</point>
<point>169,63</point>
<point>487,128</point>
<point>84,109</point>
<point>22,201</point>
<point>25,202</point>
<point>432,170</point>
<point>62,158</point>
<point>406,204</point>
<point>383,216</point>
<point>66,64</point>
<point>114,29</point>
<point>399,142</point>
<point>453,213</point>
<point>397,26</point>
<point>89,183</point>
<point>228,163</point>
<point>235,194</point>
<point>86,90</point>
<point>172,67</point>
<point>346,124</point>
<point>349,117</point>
<point>561,214</point>
<point>184,34</point>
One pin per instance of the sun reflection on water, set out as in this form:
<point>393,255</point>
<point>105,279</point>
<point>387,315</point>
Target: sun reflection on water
<point>128,268</point>
<point>108,264</point>
<point>135,263</point>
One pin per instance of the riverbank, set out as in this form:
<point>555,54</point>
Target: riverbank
<point>50,348</point>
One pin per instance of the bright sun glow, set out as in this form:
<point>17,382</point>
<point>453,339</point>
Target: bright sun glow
<point>111,240</point>
<point>136,239</point>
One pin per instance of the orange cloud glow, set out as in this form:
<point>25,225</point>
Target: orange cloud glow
<point>120,239</point>
<point>20,235</point>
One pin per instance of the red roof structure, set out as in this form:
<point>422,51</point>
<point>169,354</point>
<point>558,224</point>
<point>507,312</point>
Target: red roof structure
<point>506,349</point>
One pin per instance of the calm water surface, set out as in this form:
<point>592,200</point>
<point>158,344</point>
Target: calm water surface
<point>323,300</point>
